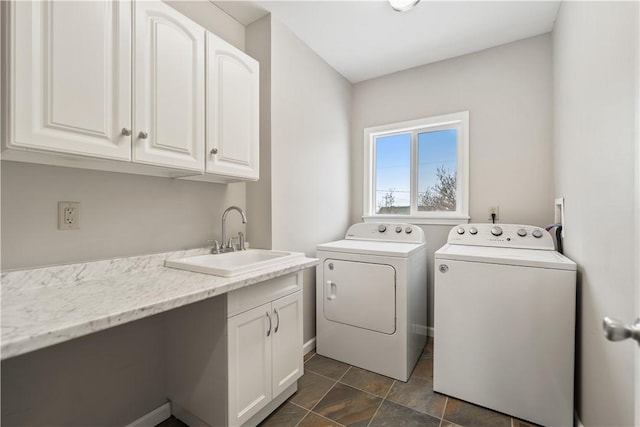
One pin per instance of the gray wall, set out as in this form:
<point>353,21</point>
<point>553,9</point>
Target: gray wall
<point>307,199</point>
<point>115,376</point>
<point>596,79</point>
<point>508,93</point>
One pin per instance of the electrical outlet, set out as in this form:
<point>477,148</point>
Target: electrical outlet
<point>68,215</point>
<point>494,210</point>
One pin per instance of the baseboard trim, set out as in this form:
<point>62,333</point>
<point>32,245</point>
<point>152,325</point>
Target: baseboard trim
<point>154,417</point>
<point>309,345</point>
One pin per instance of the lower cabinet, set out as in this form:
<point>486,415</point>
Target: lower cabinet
<point>238,375</point>
<point>265,355</point>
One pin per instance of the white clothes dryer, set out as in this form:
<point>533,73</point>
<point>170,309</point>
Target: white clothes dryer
<point>371,298</point>
<point>504,322</point>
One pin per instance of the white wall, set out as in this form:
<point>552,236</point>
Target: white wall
<point>595,82</point>
<point>310,151</point>
<point>508,93</point>
<point>120,215</point>
<point>258,39</point>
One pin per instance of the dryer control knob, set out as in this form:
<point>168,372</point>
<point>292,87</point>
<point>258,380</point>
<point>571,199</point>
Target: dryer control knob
<point>473,231</point>
<point>398,229</point>
<point>460,230</point>
<point>408,230</point>
<point>522,232</point>
<point>496,231</point>
<point>382,228</point>
<point>537,233</point>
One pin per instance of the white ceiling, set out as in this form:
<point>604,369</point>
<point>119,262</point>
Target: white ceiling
<point>367,39</point>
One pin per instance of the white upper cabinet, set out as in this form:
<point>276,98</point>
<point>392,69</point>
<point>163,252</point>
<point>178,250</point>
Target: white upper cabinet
<point>127,81</point>
<point>70,81</point>
<point>169,88</point>
<point>232,111</point>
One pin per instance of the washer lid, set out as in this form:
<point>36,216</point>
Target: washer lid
<point>370,247</point>
<point>506,256</point>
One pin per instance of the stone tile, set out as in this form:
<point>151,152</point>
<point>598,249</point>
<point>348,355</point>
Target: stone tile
<point>467,414</point>
<point>311,388</point>
<point>428,348</point>
<point>418,394</point>
<point>315,420</point>
<point>520,423</point>
<point>448,424</point>
<point>393,415</point>
<point>348,406</point>
<point>309,355</point>
<point>423,369</point>
<point>287,415</point>
<point>367,381</point>
<point>325,366</point>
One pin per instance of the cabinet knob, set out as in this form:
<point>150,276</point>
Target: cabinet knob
<point>143,135</point>
<point>214,151</point>
<point>125,132</point>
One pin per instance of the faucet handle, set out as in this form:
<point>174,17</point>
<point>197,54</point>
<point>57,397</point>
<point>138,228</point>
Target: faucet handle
<point>216,246</point>
<point>241,241</point>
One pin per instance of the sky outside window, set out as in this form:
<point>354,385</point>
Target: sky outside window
<point>436,149</point>
<point>393,170</point>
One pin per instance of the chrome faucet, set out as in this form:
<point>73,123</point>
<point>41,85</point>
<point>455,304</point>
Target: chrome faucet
<point>228,246</point>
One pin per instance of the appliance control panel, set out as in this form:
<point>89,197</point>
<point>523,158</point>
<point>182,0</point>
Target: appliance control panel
<point>501,235</point>
<point>386,232</point>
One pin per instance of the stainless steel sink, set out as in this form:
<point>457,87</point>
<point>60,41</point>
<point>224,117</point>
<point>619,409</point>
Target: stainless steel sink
<point>234,263</point>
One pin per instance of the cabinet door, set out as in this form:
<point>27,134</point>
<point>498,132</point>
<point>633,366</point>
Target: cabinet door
<point>169,88</point>
<point>70,82</point>
<point>249,350</point>
<point>232,111</point>
<point>287,341</point>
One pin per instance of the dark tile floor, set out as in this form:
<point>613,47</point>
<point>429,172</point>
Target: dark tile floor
<point>333,394</point>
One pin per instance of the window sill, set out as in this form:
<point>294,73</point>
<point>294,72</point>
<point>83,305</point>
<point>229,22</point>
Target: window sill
<point>414,219</point>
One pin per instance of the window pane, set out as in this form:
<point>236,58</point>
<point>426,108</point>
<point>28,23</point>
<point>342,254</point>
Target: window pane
<point>393,174</point>
<point>437,169</point>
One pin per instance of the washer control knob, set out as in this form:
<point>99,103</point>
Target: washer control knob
<point>473,231</point>
<point>460,231</point>
<point>382,228</point>
<point>398,229</point>
<point>522,232</point>
<point>537,233</point>
<point>408,230</point>
<point>496,231</point>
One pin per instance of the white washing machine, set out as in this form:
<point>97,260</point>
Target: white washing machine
<point>371,298</point>
<point>504,322</point>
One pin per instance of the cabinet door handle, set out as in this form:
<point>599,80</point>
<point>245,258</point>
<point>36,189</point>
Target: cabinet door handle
<point>269,317</point>
<point>143,135</point>
<point>277,320</point>
<point>125,132</point>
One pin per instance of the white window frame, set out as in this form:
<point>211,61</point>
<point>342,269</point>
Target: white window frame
<point>458,121</point>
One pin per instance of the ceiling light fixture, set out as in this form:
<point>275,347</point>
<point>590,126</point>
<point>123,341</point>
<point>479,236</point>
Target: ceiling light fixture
<point>403,5</point>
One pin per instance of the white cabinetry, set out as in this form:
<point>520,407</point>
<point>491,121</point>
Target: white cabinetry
<point>232,111</point>
<point>126,81</point>
<point>169,88</point>
<point>70,86</point>
<point>265,355</point>
<point>240,383</point>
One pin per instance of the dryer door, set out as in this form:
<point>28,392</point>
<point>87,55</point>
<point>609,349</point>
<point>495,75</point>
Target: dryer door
<point>360,294</point>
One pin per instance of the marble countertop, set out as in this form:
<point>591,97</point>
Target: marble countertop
<point>46,306</point>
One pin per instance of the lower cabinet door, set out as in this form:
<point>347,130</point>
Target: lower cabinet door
<point>249,352</point>
<point>287,341</point>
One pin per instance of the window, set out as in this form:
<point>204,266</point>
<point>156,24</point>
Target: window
<point>417,171</point>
